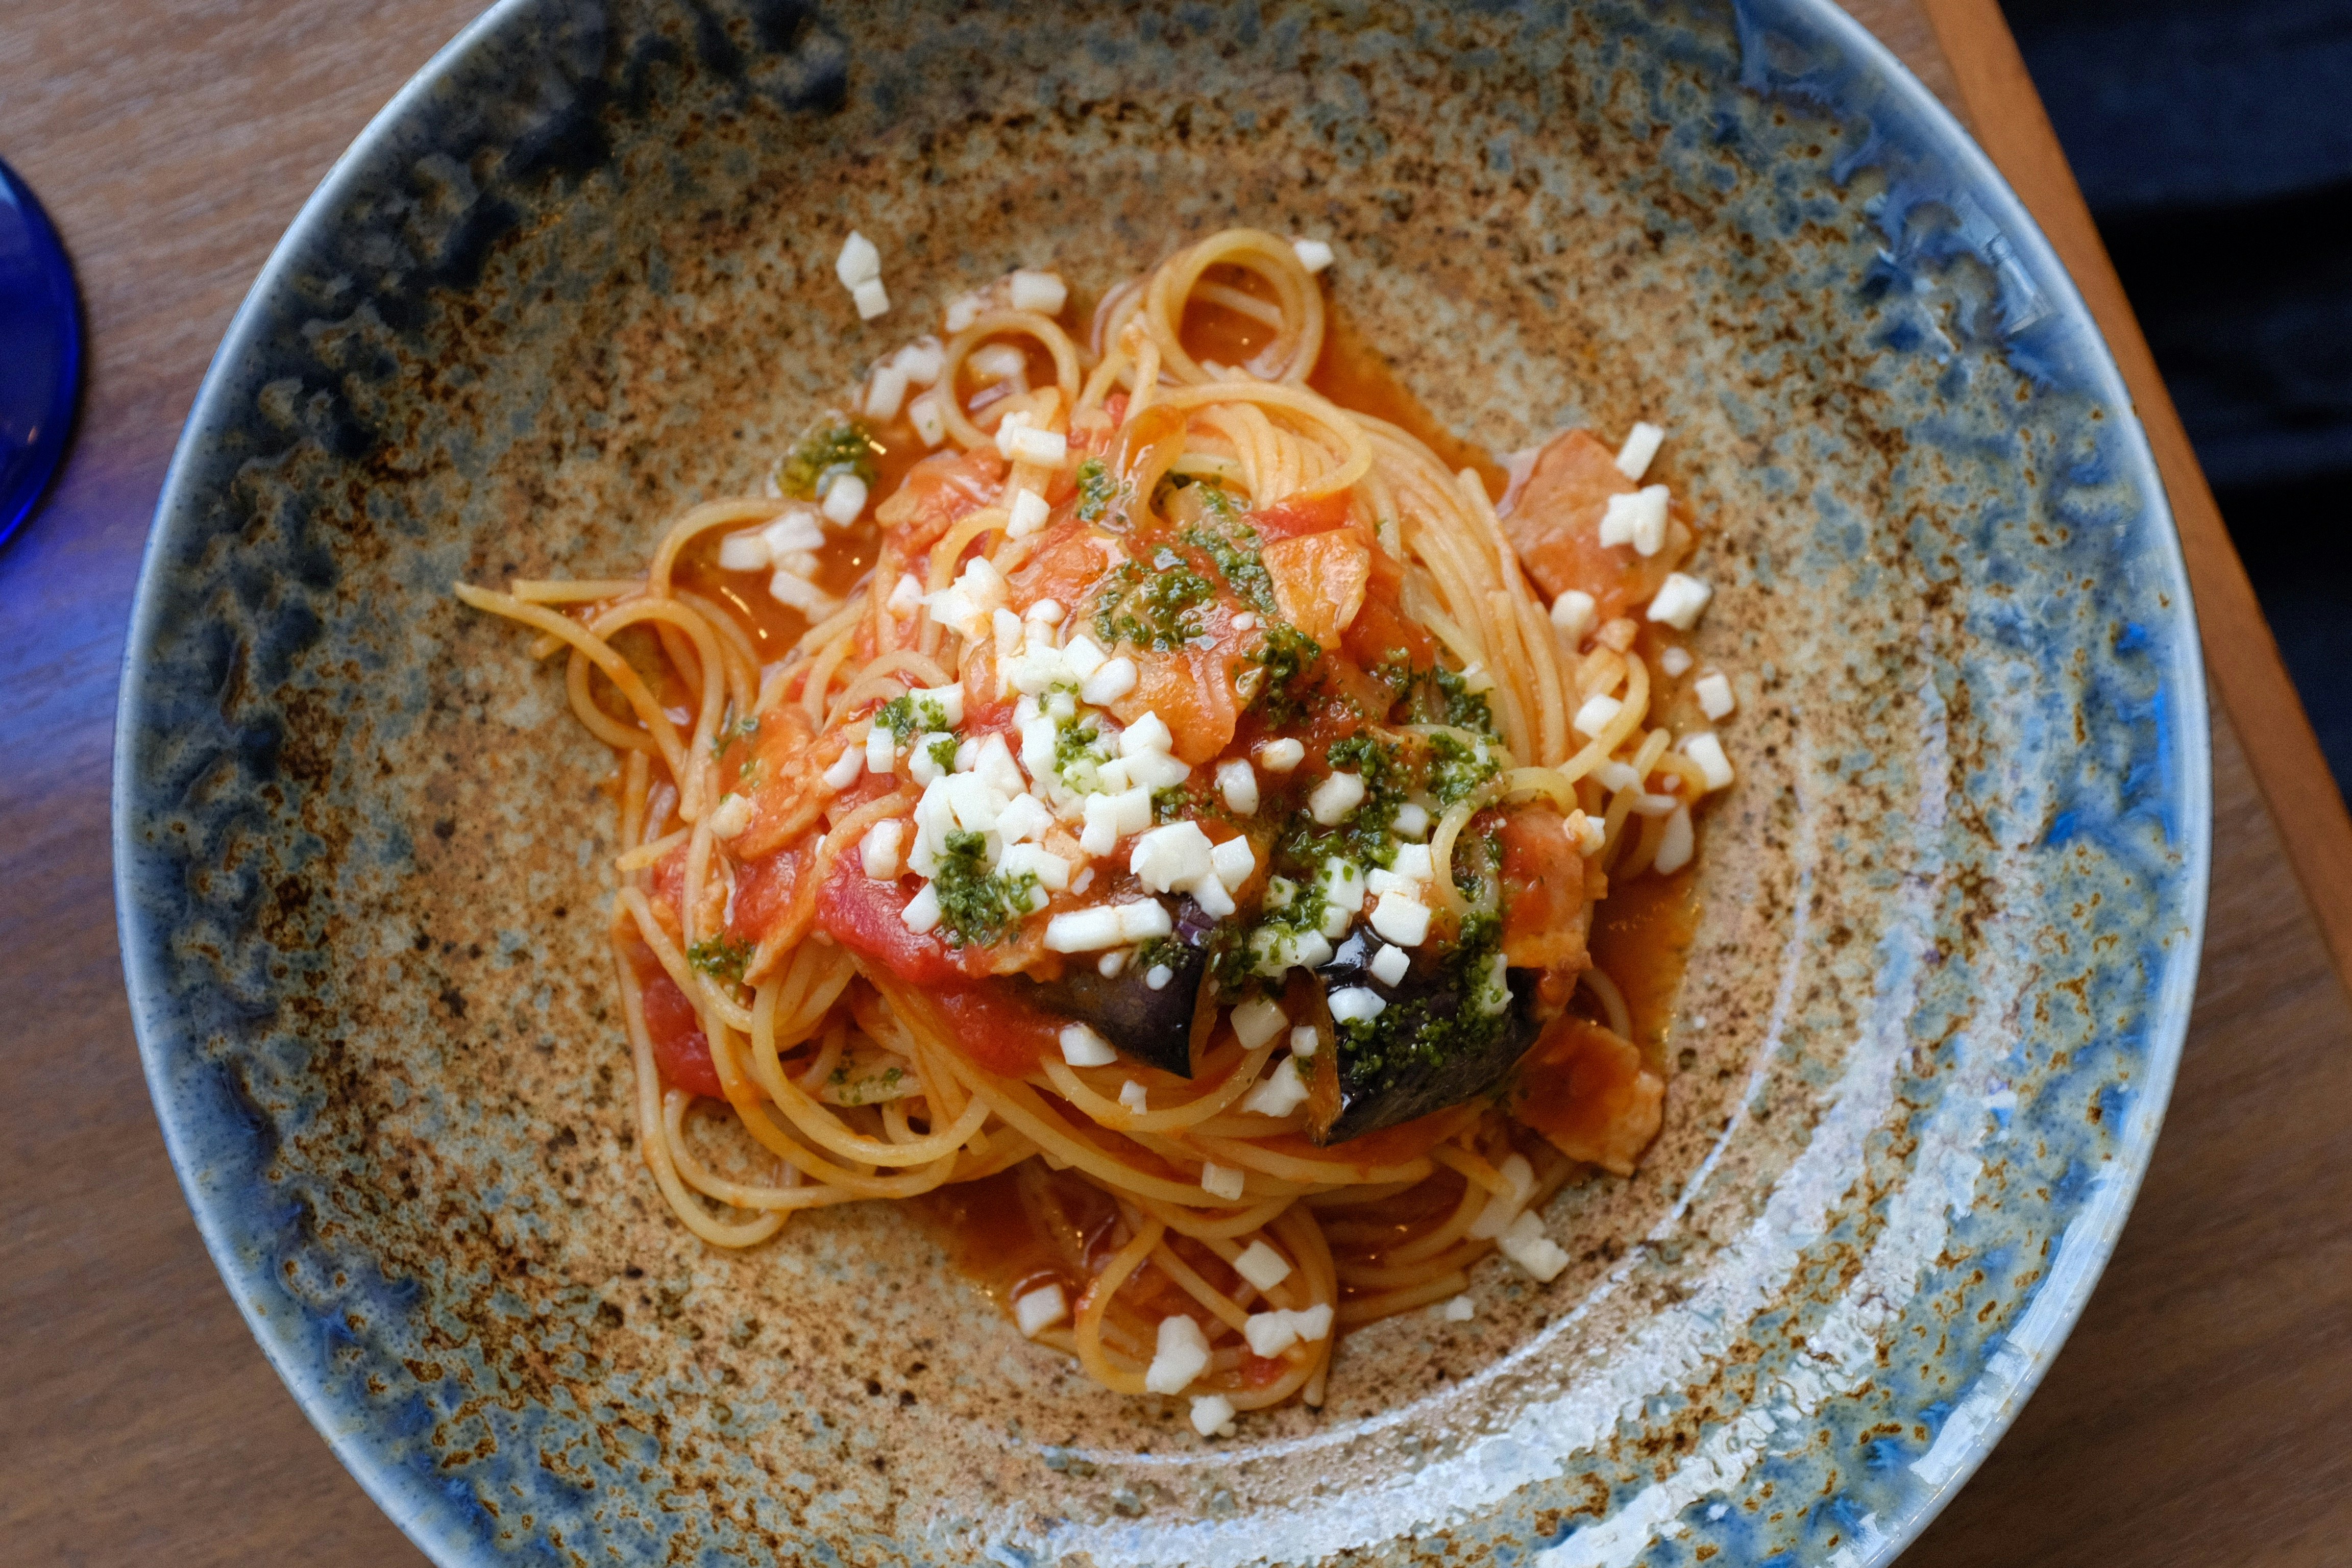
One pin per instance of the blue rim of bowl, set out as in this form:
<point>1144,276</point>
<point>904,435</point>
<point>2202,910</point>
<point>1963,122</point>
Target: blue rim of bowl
<point>2085,1246</point>
<point>54,275</point>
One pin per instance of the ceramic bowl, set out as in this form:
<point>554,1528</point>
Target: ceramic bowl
<point>579,274</point>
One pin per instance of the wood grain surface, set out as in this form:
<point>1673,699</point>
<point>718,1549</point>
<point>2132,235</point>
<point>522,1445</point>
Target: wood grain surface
<point>2195,1417</point>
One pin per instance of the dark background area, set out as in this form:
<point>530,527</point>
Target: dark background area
<point>2213,142</point>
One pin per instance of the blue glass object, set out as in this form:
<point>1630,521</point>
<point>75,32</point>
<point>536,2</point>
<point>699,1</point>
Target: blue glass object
<point>40,347</point>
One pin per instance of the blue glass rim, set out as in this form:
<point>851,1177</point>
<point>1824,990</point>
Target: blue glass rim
<point>41,340</point>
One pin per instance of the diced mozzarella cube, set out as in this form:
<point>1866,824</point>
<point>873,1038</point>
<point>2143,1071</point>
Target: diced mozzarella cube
<point>961,313</point>
<point>1257,1020</point>
<point>1640,445</point>
<point>877,852</point>
<point>1143,919</point>
<point>1405,921</point>
<point>1674,661</point>
<point>1211,895</point>
<point>1053,872</point>
<point>1159,976</point>
<point>1029,512</point>
<point>1679,601</point>
<point>995,764</point>
<point>1638,519</point>
<point>1313,1322</point>
<point>906,597</point>
<point>1413,860</point>
<point>1675,843</point>
<point>922,361</point>
<point>1715,698</point>
<point>1167,858</point>
<point>1045,612</point>
<point>1270,1334</point>
<point>1596,715</point>
<point>1314,255</point>
<point>1025,819</point>
<point>930,424</point>
<point>881,750</point>
<point>798,592</point>
<point>994,363</point>
<point>1284,1090</point>
<point>1412,821</point>
<point>1574,613</point>
<point>1179,1357</point>
<point>1082,1048</point>
<point>1220,1182</point>
<point>1615,775</point>
<point>975,801</point>
<point>1503,1208</point>
<point>1335,798</point>
<point>1134,1097</point>
<point>1234,862</point>
<point>1592,833</point>
<point>885,393</point>
<point>1106,685</point>
<point>948,697</point>
<point>1083,931</point>
<point>845,768</point>
<point>921,914</point>
<point>1526,1245</point>
<point>1149,734</point>
<point>858,262</point>
<point>1458,1310</point>
<point>1237,782</point>
<point>1034,1312</point>
<point>1262,1265</point>
<point>1708,751</point>
<point>1040,291</point>
<point>746,552</point>
<point>1391,964</point>
<point>1304,1041</point>
<point>923,758</point>
<point>732,814</point>
<point>1343,895</point>
<point>1356,1004</point>
<point>872,300</point>
<point>1023,442</point>
<point>1281,756</point>
<point>1082,657</point>
<point>1213,1416</point>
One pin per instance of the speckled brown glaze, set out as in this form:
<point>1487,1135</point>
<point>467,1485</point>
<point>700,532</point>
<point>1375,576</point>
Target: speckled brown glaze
<point>579,277</point>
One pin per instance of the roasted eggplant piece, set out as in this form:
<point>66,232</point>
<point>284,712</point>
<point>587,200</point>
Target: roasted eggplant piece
<point>1155,1027</point>
<point>1431,1046</point>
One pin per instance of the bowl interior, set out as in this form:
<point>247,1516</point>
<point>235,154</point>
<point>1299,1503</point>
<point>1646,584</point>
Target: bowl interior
<point>579,277</point>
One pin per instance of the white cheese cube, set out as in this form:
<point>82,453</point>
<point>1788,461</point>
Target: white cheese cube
<point>906,597</point>
<point>1504,1207</point>
<point>961,311</point>
<point>1281,756</point>
<point>877,852</point>
<point>1213,1416</point>
<point>745,553</point>
<point>732,814</point>
<point>1082,1048</point>
<point>1526,1245</point>
<point>1134,1097</point>
<point>1391,964</point>
<point>1679,601</point>
<point>1040,291</point>
<point>1159,976</point>
<point>881,750</point>
<point>1304,1041</point>
<point>1083,931</point>
<point>795,592</point>
<point>1596,715</point>
<point>948,697</point>
<point>1591,834</point>
<point>1640,445</point>
<point>921,914</point>
<point>1335,798</point>
<point>1143,919</point>
<point>1638,519</point>
<point>1270,1334</point>
<point>1106,685</point>
<point>1413,860</point>
<point>1034,1312</point>
<point>1403,921</point>
<point>1257,1020</point>
<point>1211,895</point>
<point>1025,443</point>
<point>858,262</point>
<point>1675,843</point>
<point>1023,819</point>
<point>1155,770</point>
<point>930,424</point>
<point>1167,858</point>
<point>1574,613</point>
<point>1045,612</point>
<point>1458,1310</point>
<point>1314,255</point>
<point>1082,657</point>
<point>995,764</point>
<point>921,360</point>
<point>1234,862</point>
<point>1237,782</point>
<point>1356,1004</point>
<point>923,758</point>
<point>975,801</point>
<point>1028,514</point>
<point>1149,734</point>
<point>1707,750</point>
<point>1179,1358</point>
<point>1100,834</point>
<point>1284,1091</point>
<point>1220,1182</point>
<point>1714,693</point>
<point>872,300</point>
<point>885,393</point>
<point>1412,823</point>
<point>1674,661</point>
<point>1053,872</point>
<point>1262,1265</point>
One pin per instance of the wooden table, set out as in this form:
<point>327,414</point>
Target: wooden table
<point>2196,1417</point>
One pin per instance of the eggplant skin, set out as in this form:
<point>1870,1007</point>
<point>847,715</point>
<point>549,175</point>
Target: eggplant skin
<point>1155,1027</point>
<point>1404,1082</point>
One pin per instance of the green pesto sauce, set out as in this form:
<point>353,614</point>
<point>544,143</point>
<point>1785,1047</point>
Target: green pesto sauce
<point>832,445</point>
<point>1427,1031</point>
<point>720,957</point>
<point>906,718</point>
<point>977,905</point>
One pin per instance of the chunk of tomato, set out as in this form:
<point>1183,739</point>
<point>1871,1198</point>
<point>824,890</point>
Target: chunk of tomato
<point>868,917</point>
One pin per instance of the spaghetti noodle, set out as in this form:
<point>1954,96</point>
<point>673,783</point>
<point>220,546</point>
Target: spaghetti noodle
<point>1170,815</point>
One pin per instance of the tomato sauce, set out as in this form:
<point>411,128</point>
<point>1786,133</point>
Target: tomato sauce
<point>1642,935</point>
